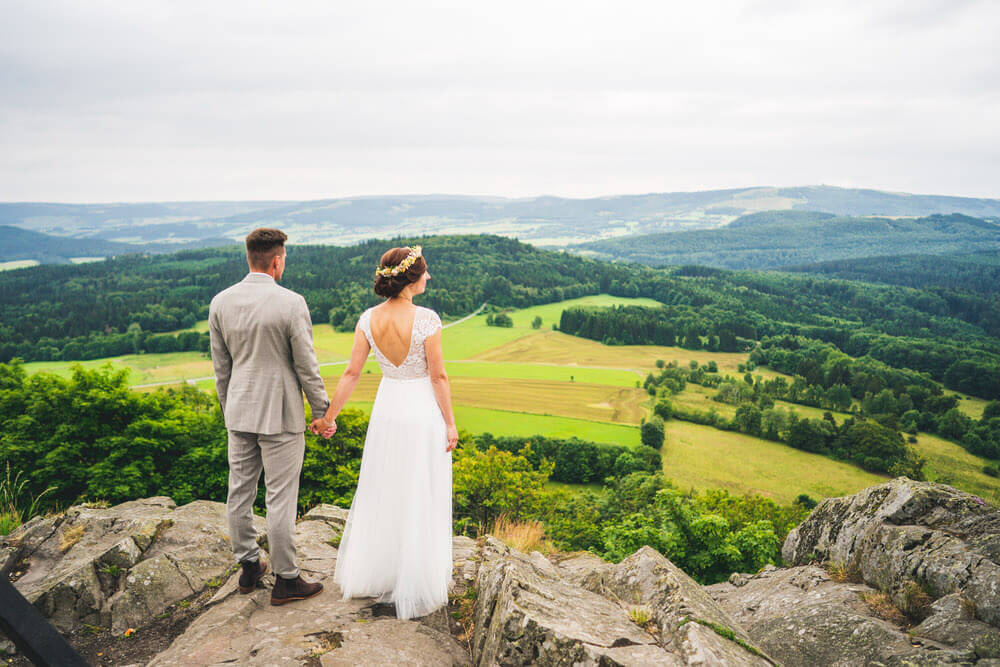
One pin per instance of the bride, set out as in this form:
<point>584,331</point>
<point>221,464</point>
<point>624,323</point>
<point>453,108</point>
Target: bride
<point>396,542</point>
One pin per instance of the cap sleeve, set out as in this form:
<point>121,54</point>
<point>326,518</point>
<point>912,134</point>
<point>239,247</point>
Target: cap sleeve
<point>362,325</point>
<point>430,323</point>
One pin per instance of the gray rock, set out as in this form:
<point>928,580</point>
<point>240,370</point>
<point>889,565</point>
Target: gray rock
<point>526,614</point>
<point>687,617</point>
<point>800,616</point>
<point>942,539</point>
<point>246,629</point>
<point>118,567</point>
<point>394,642</point>
<point>333,515</point>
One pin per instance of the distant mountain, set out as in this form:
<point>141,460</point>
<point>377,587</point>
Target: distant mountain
<point>784,238</point>
<point>545,221</point>
<point>17,243</point>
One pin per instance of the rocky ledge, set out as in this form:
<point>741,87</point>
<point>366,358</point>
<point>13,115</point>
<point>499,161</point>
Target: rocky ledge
<point>904,573</point>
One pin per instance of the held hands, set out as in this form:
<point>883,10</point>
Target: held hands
<point>452,438</point>
<point>320,426</point>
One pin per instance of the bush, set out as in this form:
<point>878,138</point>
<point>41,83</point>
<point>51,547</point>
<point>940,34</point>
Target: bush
<point>663,409</point>
<point>493,483</point>
<point>993,470</point>
<point>500,320</point>
<point>576,461</point>
<point>653,432</point>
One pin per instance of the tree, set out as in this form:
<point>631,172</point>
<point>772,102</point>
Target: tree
<point>652,433</point>
<point>748,419</point>
<point>537,322</point>
<point>953,424</point>
<point>692,339</point>
<point>490,483</point>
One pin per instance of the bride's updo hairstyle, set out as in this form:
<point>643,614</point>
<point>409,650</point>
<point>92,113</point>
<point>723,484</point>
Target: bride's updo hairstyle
<point>390,286</point>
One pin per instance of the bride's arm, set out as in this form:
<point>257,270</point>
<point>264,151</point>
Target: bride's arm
<point>359,353</point>
<point>442,387</point>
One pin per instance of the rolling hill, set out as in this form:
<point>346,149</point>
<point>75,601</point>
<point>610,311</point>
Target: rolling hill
<point>783,238</point>
<point>547,221</point>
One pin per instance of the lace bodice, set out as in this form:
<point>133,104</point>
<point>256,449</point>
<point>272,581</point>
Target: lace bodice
<point>425,323</point>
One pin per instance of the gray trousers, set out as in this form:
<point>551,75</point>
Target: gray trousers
<point>280,457</point>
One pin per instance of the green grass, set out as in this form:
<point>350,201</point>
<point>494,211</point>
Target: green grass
<point>501,422</point>
<point>474,337</point>
<point>703,457</point>
<point>605,376</point>
<point>951,464</point>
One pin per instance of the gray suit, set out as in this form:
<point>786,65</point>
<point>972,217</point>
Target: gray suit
<point>261,338</point>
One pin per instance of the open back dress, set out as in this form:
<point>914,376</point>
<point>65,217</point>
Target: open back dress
<point>397,541</point>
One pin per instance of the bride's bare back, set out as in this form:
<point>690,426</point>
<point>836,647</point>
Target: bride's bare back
<point>392,330</point>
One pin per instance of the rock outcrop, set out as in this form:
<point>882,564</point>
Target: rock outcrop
<point>904,573</point>
<point>118,567</point>
<point>918,566</point>
<point>642,611</point>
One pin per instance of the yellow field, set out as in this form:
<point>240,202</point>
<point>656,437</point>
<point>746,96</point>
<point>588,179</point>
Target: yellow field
<point>950,463</point>
<point>969,405</point>
<point>559,348</point>
<point>703,457</point>
<point>621,405</point>
<point>18,264</point>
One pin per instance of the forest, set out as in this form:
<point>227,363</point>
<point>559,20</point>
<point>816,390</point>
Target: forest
<point>125,305</point>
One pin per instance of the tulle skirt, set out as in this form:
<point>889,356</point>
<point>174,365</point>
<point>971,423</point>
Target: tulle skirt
<point>396,543</point>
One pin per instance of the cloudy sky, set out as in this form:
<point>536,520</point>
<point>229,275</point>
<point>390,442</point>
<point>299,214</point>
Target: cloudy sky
<point>175,100</point>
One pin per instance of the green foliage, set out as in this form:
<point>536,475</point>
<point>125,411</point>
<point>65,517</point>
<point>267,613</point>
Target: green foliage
<point>575,461</point>
<point>663,409</point>
<point>652,432</point>
<point>16,505</point>
<point>537,322</point>
<point>488,484</point>
<point>709,536</point>
<point>500,320</point>
<point>90,437</point>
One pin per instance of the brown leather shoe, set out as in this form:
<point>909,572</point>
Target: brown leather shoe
<point>253,572</point>
<point>289,590</point>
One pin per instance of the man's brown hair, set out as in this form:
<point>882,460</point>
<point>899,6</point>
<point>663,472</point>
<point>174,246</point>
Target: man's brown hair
<point>263,244</point>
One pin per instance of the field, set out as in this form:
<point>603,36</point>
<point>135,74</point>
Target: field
<point>703,457</point>
<point>18,264</point>
<point>521,381</point>
<point>949,463</point>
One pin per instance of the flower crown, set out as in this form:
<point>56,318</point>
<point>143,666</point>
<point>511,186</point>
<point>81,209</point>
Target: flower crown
<point>389,271</point>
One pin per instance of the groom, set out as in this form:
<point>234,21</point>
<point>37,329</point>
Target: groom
<point>261,340</point>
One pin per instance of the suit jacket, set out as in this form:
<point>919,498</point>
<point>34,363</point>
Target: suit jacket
<point>262,351</point>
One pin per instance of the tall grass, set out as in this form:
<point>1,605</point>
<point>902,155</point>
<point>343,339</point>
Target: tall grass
<point>16,505</point>
<point>525,536</point>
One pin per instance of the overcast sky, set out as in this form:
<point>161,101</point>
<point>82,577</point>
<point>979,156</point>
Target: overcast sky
<point>174,100</point>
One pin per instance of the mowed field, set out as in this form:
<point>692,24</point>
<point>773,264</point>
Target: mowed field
<point>703,457</point>
<point>521,381</point>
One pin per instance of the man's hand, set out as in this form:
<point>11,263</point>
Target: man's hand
<point>321,426</point>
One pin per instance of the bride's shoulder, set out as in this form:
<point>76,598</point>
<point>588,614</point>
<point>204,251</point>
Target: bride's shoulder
<point>430,319</point>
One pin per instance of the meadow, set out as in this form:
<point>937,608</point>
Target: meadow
<point>523,381</point>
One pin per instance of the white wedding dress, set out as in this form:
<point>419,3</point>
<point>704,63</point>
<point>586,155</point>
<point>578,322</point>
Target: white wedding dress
<point>396,542</point>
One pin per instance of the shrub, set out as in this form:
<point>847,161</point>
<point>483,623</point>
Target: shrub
<point>653,432</point>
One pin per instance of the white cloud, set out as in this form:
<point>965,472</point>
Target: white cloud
<point>134,101</point>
